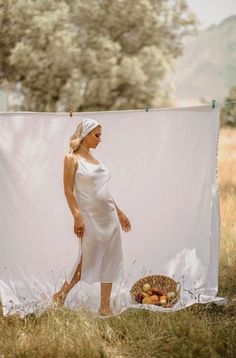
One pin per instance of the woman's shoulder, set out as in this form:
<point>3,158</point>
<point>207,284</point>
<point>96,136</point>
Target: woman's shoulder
<point>70,159</point>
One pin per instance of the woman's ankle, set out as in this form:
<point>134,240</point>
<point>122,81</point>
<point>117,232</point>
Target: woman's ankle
<point>59,298</point>
<point>105,307</point>
<point>105,311</point>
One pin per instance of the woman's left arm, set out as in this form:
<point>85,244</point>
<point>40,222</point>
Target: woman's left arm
<point>124,221</point>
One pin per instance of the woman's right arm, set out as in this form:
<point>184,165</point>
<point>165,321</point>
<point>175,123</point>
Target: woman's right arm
<point>69,179</point>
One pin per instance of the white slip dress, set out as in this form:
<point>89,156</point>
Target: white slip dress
<point>101,248</point>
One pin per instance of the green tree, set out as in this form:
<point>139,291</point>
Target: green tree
<point>43,51</point>
<point>228,113</point>
<point>92,55</point>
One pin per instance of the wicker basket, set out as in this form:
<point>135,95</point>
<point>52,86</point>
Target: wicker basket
<point>164,282</point>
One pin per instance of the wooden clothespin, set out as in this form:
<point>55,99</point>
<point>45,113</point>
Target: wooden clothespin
<point>71,112</point>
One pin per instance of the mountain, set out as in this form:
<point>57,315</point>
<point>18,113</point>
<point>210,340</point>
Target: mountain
<point>207,68</point>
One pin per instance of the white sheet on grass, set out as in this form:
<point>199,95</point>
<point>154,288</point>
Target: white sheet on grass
<point>163,177</point>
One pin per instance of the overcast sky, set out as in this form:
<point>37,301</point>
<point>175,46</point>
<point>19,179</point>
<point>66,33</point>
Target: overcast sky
<point>212,11</point>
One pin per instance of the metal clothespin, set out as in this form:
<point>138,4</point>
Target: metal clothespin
<point>147,107</point>
<point>213,103</point>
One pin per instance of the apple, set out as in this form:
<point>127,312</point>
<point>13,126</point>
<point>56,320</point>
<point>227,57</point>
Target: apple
<point>161,292</point>
<point>139,298</point>
<point>146,287</point>
<point>171,295</point>
<point>155,290</point>
<point>154,298</point>
<point>163,301</point>
<point>149,293</point>
<point>147,300</point>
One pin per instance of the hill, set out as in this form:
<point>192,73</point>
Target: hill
<point>207,68</point>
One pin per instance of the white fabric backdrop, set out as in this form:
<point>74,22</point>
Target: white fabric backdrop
<point>163,176</point>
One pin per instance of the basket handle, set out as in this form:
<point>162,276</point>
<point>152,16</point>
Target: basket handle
<point>178,286</point>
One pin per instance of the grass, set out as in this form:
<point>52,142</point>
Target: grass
<point>198,331</point>
<point>227,180</point>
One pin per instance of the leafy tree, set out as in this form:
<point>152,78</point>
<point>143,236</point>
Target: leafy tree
<point>43,51</point>
<point>228,113</point>
<point>92,55</point>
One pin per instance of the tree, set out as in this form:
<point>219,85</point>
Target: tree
<point>93,55</point>
<point>228,114</point>
<point>43,52</point>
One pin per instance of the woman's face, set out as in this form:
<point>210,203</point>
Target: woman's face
<point>94,137</point>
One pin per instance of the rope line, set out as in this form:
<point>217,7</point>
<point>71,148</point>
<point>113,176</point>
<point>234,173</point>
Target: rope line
<point>228,102</point>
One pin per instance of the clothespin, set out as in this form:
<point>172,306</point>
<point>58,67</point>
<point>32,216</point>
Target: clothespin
<point>213,103</point>
<point>71,112</point>
<point>147,108</point>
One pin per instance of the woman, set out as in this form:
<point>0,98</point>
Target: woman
<point>97,218</point>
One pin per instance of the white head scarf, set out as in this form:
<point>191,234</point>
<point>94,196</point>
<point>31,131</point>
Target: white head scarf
<point>88,124</point>
<point>84,128</point>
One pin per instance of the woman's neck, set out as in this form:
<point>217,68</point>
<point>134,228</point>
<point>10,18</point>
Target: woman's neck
<point>84,150</point>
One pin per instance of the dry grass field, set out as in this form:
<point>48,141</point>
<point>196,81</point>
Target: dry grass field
<point>227,180</point>
<point>198,331</point>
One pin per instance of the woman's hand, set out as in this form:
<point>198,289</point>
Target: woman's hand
<point>78,226</point>
<point>124,221</point>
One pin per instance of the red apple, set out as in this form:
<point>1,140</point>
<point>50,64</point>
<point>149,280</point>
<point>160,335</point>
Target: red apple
<point>154,298</point>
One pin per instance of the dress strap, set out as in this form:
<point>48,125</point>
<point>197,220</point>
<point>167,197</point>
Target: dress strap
<point>86,161</point>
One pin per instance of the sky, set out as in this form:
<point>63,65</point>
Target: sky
<point>212,12</point>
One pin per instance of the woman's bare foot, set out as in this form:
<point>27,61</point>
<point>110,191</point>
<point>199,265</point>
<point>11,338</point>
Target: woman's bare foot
<point>59,298</point>
<point>105,311</point>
